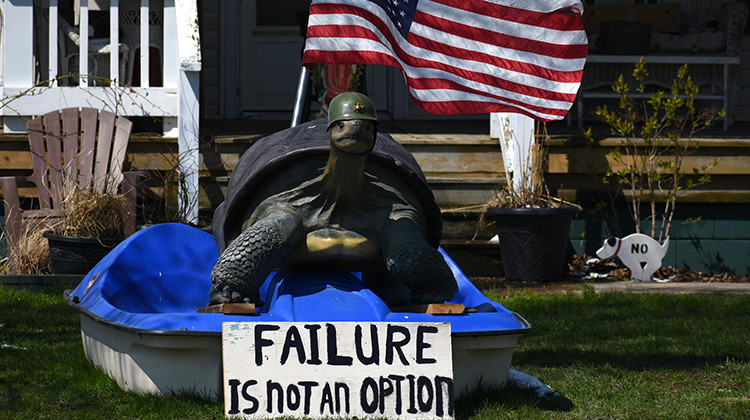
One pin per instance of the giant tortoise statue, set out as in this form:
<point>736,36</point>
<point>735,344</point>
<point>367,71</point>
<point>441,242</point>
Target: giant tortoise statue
<point>331,194</point>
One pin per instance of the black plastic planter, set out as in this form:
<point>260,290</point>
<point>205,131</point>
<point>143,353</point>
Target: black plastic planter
<point>74,255</point>
<point>533,241</point>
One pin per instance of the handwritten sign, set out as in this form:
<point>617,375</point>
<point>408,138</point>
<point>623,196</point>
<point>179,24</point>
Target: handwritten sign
<point>337,369</point>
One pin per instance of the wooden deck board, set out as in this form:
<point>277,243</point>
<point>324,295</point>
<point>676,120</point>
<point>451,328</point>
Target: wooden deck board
<point>461,162</point>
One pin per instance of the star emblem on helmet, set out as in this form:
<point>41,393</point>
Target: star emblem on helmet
<point>358,107</point>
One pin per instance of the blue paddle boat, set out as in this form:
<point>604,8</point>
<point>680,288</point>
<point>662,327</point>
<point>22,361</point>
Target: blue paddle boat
<point>139,319</point>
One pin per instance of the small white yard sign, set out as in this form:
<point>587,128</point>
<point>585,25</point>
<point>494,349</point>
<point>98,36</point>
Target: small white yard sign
<point>338,370</point>
<point>641,253</point>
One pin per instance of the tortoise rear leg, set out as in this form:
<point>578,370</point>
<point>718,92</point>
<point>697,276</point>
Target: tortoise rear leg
<point>249,259</point>
<point>411,261</point>
<point>390,291</point>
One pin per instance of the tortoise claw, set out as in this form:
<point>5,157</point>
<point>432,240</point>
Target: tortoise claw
<point>227,295</point>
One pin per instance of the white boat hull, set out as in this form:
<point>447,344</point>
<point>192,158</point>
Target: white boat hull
<point>192,364</point>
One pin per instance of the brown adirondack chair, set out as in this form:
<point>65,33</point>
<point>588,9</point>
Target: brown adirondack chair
<point>85,146</point>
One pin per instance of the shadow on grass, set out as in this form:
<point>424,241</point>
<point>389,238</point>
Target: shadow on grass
<point>10,392</point>
<point>632,331</point>
<point>509,397</point>
<point>628,361</point>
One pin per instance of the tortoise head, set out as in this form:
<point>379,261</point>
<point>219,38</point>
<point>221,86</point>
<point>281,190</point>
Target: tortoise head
<point>352,123</point>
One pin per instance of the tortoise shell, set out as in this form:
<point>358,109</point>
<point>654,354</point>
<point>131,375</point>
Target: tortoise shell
<point>267,159</point>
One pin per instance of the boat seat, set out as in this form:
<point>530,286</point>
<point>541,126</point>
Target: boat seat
<point>158,273</point>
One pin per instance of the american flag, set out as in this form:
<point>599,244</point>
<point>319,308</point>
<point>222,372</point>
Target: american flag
<point>461,56</point>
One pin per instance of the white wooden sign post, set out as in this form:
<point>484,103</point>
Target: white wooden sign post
<point>338,370</point>
<point>516,135</point>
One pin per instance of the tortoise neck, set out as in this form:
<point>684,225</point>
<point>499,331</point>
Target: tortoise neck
<point>344,174</point>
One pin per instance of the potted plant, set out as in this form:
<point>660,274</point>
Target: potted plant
<point>90,225</point>
<point>532,226</point>
<point>655,132</point>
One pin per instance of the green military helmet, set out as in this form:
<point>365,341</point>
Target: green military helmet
<point>351,106</point>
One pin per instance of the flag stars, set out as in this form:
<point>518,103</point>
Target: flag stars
<point>400,13</point>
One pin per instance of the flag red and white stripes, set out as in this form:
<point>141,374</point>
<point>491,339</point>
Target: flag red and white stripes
<point>461,56</point>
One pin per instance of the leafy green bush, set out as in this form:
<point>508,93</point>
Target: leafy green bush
<point>656,131</point>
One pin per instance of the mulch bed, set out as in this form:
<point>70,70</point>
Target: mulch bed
<point>615,270</point>
<point>579,271</point>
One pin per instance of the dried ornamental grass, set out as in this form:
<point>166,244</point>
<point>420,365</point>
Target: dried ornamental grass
<point>33,253</point>
<point>90,214</point>
<point>531,191</point>
<point>85,213</point>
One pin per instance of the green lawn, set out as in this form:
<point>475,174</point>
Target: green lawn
<point>609,356</point>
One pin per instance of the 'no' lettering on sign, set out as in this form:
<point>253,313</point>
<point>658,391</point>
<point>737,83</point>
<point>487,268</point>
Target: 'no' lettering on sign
<point>338,369</point>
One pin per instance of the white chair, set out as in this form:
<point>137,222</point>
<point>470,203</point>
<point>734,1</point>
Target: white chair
<point>99,50</point>
<point>130,25</point>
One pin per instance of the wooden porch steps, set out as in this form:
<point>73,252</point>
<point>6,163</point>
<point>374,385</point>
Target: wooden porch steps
<point>462,164</point>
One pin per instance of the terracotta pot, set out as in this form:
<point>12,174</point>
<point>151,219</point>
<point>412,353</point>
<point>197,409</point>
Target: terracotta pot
<point>75,255</point>
<point>533,241</point>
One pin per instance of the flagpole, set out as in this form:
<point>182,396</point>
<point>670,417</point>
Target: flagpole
<point>300,99</point>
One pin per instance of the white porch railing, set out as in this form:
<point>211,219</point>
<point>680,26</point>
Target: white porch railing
<point>50,75</point>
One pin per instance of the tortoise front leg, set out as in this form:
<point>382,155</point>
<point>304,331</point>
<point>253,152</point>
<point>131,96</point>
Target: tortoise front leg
<point>249,259</point>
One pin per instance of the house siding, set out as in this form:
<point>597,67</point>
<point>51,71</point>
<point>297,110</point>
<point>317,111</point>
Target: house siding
<point>742,108</point>
<point>210,23</point>
<point>706,237</point>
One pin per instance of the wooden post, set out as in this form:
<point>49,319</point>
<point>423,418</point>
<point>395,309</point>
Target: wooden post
<point>52,39</point>
<point>144,43</point>
<point>188,42</point>
<point>18,53</point>
<point>83,46</point>
<point>114,42</point>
